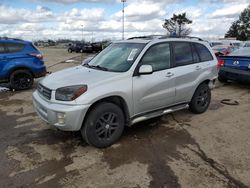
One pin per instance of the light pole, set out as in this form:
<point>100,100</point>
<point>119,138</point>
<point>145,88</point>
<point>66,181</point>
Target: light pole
<point>123,17</point>
<point>82,33</point>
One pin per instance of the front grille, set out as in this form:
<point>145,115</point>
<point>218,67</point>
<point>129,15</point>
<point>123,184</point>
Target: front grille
<point>44,91</point>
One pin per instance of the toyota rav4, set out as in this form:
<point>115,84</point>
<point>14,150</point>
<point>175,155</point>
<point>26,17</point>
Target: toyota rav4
<point>128,82</point>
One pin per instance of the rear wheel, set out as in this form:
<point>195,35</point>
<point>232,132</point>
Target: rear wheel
<point>201,99</point>
<point>21,80</point>
<point>70,50</point>
<point>104,125</point>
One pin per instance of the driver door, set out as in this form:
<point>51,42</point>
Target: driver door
<point>156,90</point>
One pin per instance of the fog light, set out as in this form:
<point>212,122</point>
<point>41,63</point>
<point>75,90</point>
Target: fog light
<point>61,118</point>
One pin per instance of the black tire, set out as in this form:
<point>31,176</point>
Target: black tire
<point>201,99</point>
<point>21,80</point>
<point>70,50</point>
<point>222,79</point>
<point>104,125</point>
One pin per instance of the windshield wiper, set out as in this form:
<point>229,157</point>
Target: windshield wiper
<point>101,68</point>
<point>96,67</point>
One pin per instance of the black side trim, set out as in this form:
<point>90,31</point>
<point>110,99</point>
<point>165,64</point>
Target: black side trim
<point>160,109</point>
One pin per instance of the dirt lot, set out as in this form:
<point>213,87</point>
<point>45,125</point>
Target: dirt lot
<point>176,150</point>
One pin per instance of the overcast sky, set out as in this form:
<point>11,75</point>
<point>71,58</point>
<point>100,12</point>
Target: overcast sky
<point>101,19</point>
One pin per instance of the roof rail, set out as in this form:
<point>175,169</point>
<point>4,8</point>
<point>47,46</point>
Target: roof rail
<point>7,38</point>
<point>147,37</point>
<point>151,37</point>
<point>182,37</point>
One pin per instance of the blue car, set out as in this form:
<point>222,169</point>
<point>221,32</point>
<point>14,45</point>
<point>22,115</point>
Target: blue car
<point>235,66</point>
<point>20,63</point>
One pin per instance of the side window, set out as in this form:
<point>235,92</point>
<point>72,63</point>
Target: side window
<point>2,49</point>
<point>182,53</point>
<point>203,52</point>
<point>14,47</point>
<point>158,57</point>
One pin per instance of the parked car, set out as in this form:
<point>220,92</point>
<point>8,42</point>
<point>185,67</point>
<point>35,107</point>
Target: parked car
<point>246,44</point>
<point>234,43</point>
<point>215,43</point>
<point>96,46</point>
<point>235,66</point>
<point>223,50</point>
<point>20,63</point>
<point>80,48</point>
<point>128,82</point>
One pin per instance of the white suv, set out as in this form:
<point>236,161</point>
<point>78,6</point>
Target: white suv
<point>128,82</point>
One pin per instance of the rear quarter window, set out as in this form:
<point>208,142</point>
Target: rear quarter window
<point>34,47</point>
<point>14,47</point>
<point>2,49</point>
<point>203,52</point>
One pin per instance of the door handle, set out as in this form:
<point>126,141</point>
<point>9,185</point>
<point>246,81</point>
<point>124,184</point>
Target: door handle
<point>169,74</point>
<point>198,68</point>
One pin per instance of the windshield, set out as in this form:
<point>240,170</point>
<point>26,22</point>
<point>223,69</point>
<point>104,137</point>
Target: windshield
<point>237,44</point>
<point>241,52</point>
<point>117,57</point>
<point>247,45</point>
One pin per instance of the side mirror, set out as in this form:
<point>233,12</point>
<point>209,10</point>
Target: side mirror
<point>146,69</point>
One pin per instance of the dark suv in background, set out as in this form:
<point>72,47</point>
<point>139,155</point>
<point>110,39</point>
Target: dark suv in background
<point>80,48</point>
<point>20,63</point>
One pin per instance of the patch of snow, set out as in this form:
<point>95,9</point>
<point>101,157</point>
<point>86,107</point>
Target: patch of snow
<point>71,61</point>
<point>4,89</point>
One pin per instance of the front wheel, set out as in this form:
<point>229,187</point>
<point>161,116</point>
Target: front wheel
<point>21,80</point>
<point>201,99</point>
<point>104,125</point>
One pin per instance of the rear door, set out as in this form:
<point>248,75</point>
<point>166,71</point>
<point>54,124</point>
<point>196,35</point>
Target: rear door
<point>156,90</point>
<point>191,60</point>
<point>12,54</point>
<point>3,59</point>
<point>187,69</point>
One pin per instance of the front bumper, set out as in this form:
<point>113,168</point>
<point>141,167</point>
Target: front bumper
<point>50,112</point>
<point>234,74</point>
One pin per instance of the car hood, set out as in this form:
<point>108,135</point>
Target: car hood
<point>77,76</point>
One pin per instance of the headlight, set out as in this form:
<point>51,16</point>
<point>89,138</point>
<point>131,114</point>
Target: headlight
<point>70,93</point>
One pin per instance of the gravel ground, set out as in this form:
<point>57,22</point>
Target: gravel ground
<point>176,150</point>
